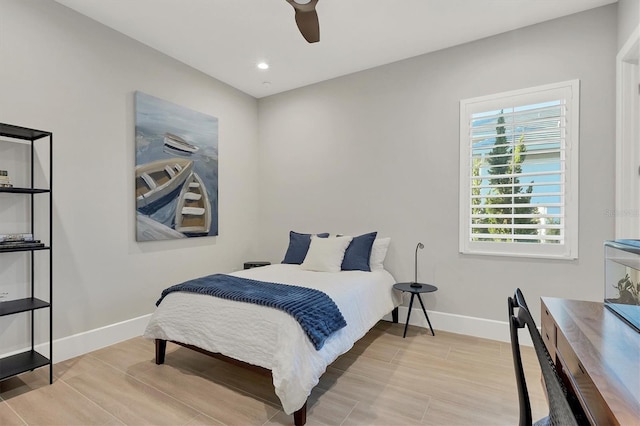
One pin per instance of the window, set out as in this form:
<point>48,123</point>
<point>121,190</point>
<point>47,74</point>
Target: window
<point>519,172</point>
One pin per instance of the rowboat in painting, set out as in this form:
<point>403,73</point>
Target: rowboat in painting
<point>193,211</point>
<point>157,182</point>
<point>147,229</point>
<point>176,142</point>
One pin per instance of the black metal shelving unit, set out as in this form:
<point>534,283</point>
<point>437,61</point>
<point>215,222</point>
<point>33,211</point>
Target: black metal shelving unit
<point>30,359</point>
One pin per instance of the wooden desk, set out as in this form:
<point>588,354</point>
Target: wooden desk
<point>599,355</point>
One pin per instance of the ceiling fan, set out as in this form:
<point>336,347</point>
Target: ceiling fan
<point>307,19</point>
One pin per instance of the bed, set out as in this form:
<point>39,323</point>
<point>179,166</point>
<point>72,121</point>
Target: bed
<point>269,338</point>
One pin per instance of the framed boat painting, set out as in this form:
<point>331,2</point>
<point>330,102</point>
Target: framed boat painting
<point>176,171</point>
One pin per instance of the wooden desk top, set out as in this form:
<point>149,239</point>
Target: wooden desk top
<point>608,349</point>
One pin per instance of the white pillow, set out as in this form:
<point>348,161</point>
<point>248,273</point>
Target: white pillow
<point>378,253</point>
<point>326,254</point>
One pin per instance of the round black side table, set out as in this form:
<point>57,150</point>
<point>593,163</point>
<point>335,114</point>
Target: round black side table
<point>415,289</point>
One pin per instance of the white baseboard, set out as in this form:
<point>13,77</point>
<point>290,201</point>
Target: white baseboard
<point>82,343</point>
<point>461,324</point>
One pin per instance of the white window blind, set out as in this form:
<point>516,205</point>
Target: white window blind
<point>518,183</point>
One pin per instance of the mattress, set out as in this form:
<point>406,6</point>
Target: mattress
<point>270,338</point>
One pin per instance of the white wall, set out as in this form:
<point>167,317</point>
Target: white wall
<point>627,132</point>
<point>65,73</point>
<point>628,19</point>
<point>378,151</point>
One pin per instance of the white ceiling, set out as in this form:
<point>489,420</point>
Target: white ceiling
<point>227,38</point>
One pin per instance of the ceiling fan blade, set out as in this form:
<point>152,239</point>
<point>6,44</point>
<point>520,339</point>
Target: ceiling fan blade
<point>307,19</point>
<point>308,25</point>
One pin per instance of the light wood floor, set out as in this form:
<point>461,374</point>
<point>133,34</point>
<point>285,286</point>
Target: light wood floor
<point>448,379</point>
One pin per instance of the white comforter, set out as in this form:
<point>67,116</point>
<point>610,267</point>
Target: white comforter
<point>270,338</point>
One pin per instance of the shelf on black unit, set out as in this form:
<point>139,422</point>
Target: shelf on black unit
<point>21,305</point>
<point>16,190</point>
<point>18,132</point>
<point>19,363</point>
<point>12,249</point>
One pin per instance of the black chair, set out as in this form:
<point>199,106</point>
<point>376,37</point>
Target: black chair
<point>560,409</point>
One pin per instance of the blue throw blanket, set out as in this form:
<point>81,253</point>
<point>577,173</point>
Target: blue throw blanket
<point>316,312</point>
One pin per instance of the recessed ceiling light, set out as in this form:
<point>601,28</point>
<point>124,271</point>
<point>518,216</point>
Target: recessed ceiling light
<point>263,65</point>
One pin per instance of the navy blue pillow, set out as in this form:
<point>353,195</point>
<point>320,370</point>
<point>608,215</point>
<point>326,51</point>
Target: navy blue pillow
<point>298,247</point>
<point>356,257</point>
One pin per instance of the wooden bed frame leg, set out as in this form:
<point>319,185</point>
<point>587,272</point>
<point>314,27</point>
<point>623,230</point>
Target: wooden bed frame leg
<point>300,416</point>
<point>161,350</point>
<point>394,315</point>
